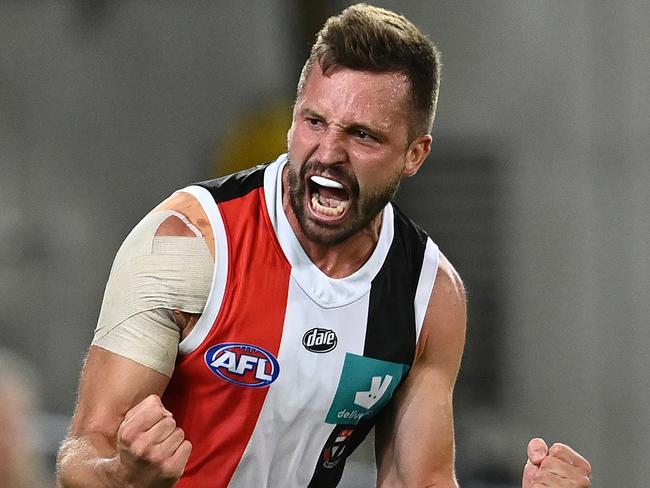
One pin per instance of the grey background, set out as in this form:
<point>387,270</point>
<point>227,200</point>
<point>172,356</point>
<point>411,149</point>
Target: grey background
<point>107,107</point>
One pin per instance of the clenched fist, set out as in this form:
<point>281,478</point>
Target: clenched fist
<point>152,450</point>
<point>557,467</point>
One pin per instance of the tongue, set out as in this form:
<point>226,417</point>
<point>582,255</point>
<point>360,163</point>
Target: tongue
<point>339,195</point>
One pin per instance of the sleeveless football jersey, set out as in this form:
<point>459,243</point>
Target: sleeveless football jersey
<point>287,369</point>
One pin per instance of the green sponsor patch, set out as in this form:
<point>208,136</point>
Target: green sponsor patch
<point>365,387</point>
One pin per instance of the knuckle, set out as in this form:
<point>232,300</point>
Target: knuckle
<point>170,470</point>
<point>156,458</point>
<point>152,400</point>
<point>169,422</point>
<point>126,435</point>
<point>558,448</point>
<point>177,437</point>
<point>140,451</point>
<point>173,440</point>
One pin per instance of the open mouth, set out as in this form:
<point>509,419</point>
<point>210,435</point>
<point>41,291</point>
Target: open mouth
<point>329,199</point>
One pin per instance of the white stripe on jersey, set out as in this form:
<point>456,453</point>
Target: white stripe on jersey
<point>326,291</point>
<point>298,401</point>
<point>217,290</point>
<point>425,284</point>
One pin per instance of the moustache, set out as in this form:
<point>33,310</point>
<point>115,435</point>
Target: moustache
<point>338,173</point>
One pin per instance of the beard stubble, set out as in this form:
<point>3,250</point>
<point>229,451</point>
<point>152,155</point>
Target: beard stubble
<point>361,211</point>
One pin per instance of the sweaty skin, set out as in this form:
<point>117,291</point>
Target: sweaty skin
<point>113,440</point>
<point>350,127</point>
<point>163,265</point>
<point>345,128</point>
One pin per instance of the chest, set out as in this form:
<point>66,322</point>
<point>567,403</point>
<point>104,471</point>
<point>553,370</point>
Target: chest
<point>310,357</point>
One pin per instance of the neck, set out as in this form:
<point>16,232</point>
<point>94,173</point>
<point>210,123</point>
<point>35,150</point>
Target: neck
<point>336,260</point>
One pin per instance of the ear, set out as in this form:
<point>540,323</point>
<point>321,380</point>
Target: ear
<point>416,153</point>
<point>289,134</point>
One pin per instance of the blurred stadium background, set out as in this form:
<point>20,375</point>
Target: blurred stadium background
<point>537,189</point>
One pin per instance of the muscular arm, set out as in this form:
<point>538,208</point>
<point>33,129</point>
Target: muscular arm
<point>121,435</point>
<point>112,389</point>
<point>110,386</point>
<point>415,440</point>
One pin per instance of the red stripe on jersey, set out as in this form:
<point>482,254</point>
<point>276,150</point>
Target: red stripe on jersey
<point>219,416</point>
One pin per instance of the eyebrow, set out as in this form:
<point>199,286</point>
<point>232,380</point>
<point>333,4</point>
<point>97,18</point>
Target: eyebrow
<point>312,113</point>
<point>372,131</point>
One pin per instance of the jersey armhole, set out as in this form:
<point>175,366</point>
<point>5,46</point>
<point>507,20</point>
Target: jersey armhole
<point>217,291</point>
<point>425,284</point>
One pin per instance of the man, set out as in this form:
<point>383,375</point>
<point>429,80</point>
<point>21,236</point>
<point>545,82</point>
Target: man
<point>306,309</point>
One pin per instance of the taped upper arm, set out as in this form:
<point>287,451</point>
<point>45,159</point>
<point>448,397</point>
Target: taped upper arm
<point>166,263</point>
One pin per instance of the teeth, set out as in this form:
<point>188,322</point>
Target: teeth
<point>322,181</point>
<point>333,211</point>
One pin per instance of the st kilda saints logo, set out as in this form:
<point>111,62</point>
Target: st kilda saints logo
<point>319,340</point>
<point>337,448</point>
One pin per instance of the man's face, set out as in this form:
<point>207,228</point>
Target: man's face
<point>348,150</point>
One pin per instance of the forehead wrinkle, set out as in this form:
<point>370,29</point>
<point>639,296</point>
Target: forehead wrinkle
<point>355,105</point>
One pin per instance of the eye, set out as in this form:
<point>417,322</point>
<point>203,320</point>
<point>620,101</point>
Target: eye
<point>314,122</point>
<point>363,135</point>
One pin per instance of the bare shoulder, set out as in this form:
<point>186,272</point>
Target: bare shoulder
<point>449,288</point>
<point>443,331</point>
<point>189,219</point>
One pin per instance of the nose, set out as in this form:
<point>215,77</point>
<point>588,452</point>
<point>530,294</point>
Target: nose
<point>332,146</point>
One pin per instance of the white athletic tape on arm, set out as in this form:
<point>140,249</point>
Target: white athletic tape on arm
<point>152,273</point>
<point>149,338</point>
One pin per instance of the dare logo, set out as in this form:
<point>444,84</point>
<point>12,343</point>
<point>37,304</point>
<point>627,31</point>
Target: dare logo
<point>243,364</point>
<point>319,340</point>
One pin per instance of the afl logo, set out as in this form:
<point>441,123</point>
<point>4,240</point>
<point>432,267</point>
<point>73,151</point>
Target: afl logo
<point>243,364</point>
<point>319,340</point>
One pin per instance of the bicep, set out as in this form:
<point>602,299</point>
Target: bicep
<point>110,386</point>
<point>164,265</point>
<point>157,288</point>
<point>415,439</point>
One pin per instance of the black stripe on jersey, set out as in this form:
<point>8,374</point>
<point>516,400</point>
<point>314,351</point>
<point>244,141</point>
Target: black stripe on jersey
<point>390,334</point>
<point>338,447</point>
<point>235,185</point>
